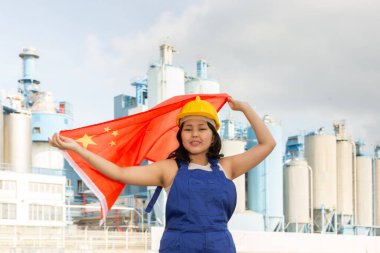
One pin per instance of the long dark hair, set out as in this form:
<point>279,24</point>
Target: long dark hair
<point>181,154</point>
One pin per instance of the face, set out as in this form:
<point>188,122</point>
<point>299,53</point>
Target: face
<point>196,136</point>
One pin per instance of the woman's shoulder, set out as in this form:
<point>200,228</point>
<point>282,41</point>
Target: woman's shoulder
<point>226,164</point>
<point>169,169</point>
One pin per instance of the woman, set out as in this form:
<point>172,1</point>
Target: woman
<point>202,196</point>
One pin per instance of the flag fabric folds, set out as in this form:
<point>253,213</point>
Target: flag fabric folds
<point>127,141</point>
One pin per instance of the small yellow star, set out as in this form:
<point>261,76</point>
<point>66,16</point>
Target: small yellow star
<point>107,129</point>
<point>112,143</point>
<point>115,133</point>
<point>86,140</point>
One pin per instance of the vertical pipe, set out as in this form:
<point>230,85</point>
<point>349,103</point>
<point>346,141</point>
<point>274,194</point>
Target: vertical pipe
<point>354,182</point>
<point>266,195</point>
<point>374,193</point>
<point>323,218</point>
<point>311,198</point>
<point>1,135</point>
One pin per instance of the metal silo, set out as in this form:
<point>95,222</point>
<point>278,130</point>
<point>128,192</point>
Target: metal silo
<point>17,141</point>
<point>1,134</point>
<point>164,79</point>
<point>364,191</point>
<point>320,154</point>
<point>265,181</point>
<point>46,122</point>
<point>201,83</point>
<point>297,196</point>
<point>376,188</point>
<point>345,152</point>
<point>234,147</point>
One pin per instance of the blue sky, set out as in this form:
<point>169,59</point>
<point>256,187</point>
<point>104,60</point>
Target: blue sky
<point>306,63</point>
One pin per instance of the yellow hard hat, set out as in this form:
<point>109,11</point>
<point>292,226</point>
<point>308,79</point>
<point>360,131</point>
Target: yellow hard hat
<point>199,107</point>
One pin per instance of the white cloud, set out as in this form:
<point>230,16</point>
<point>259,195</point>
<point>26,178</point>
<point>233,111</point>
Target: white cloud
<point>309,61</point>
<point>305,62</point>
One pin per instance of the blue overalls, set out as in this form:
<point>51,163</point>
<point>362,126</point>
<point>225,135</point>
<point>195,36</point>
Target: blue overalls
<point>199,205</point>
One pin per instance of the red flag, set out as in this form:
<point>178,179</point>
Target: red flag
<point>127,141</point>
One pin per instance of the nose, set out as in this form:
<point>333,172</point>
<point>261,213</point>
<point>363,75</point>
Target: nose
<point>194,133</point>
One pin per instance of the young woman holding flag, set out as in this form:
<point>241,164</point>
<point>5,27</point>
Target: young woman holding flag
<point>201,194</point>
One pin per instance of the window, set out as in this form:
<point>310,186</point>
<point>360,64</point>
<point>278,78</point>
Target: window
<point>8,211</point>
<point>45,212</point>
<point>36,130</point>
<point>7,185</point>
<point>45,189</point>
<point>80,186</point>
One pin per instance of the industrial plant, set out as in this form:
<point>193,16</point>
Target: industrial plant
<point>315,190</point>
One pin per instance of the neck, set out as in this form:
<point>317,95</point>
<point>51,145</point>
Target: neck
<point>199,159</point>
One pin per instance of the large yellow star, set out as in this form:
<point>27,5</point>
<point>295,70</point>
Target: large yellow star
<point>86,140</point>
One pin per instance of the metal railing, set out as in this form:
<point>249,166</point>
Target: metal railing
<point>66,239</point>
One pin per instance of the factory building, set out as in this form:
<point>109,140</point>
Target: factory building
<point>32,181</point>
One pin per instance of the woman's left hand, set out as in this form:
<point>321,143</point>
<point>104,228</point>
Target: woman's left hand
<point>237,105</point>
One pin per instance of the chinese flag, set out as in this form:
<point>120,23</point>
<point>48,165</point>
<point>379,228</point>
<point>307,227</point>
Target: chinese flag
<point>127,141</point>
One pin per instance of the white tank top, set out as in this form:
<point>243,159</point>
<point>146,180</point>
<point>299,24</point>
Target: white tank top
<point>194,166</point>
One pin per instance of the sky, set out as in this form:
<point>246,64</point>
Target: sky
<point>305,63</point>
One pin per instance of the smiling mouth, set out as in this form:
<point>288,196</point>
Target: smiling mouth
<point>195,143</point>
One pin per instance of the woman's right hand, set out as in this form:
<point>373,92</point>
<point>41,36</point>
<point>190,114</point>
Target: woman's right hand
<point>62,142</point>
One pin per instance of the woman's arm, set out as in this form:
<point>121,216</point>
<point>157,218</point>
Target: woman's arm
<point>239,164</point>
<point>151,174</point>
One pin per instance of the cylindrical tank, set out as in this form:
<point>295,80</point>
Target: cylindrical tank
<point>364,191</point>
<point>320,154</point>
<point>164,82</point>
<point>18,141</point>
<point>265,181</point>
<point>29,56</point>
<point>164,79</point>
<point>377,191</point>
<point>344,158</point>
<point>234,147</point>
<point>45,156</point>
<point>296,192</point>
<point>1,134</point>
<point>201,86</point>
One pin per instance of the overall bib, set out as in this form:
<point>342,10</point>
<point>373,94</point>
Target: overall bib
<point>199,205</point>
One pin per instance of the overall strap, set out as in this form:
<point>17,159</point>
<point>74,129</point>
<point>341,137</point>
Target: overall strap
<point>215,167</point>
<point>153,200</point>
<point>158,190</point>
<point>214,164</point>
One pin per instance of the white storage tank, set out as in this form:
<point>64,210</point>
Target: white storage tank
<point>320,154</point>
<point>201,84</point>
<point>234,147</point>
<point>376,188</point>
<point>296,195</point>
<point>344,159</point>
<point>364,191</point>
<point>46,157</point>
<point>18,141</point>
<point>1,134</point>
<point>164,79</point>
